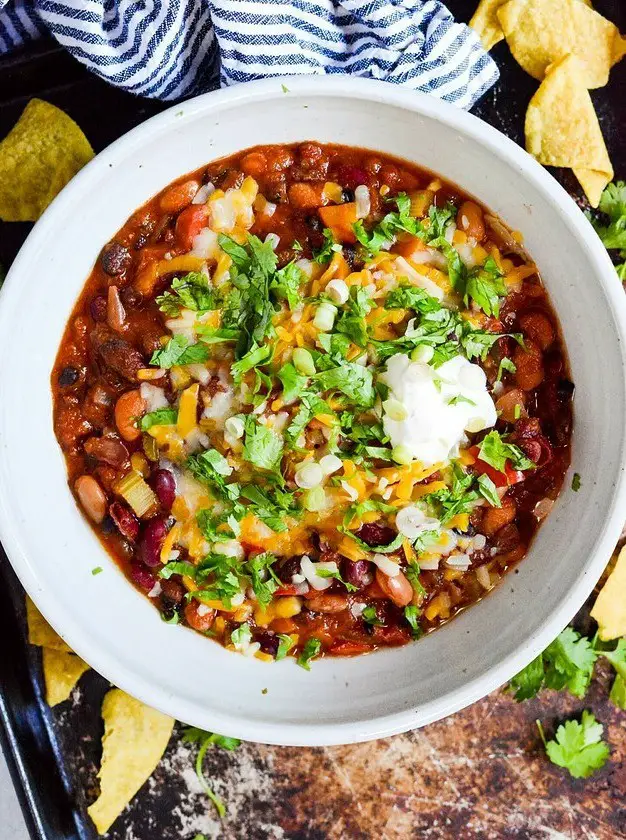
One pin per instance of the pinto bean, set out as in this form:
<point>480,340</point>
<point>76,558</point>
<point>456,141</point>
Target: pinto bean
<point>537,327</point>
<point>496,518</point>
<point>96,407</point>
<point>327,603</point>
<point>109,449</point>
<point>396,588</point>
<point>470,220</point>
<point>511,404</point>
<point>254,163</point>
<point>179,196</point>
<point>198,616</point>
<point>91,497</point>
<point>128,408</point>
<point>529,366</point>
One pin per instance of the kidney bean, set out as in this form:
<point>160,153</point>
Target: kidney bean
<point>131,298</point>
<point>164,485</point>
<point>176,198</point>
<point>115,259</point>
<point>151,541</point>
<point>507,539</point>
<point>565,390</point>
<point>98,308</point>
<point>397,588</point>
<point>198,616</point>
<point>496,518</point>
<point>289,568</point>
<point>374,534</point>
<point>109,449</point>
<point>510,404</point>
<point>351,176</point>
<point>356,572</point>
<point>142,577</point>
<point>326,603</point>
<point>120,356</point>
<point>91,496</point>
<point>125,520</point>
<point>269,641</point>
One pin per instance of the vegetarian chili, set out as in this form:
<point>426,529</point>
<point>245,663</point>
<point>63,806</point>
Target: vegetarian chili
<point>314,401</point>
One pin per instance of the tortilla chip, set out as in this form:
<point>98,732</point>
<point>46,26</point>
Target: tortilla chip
<point>135,738</point>
<point>485,22</point>
<point>562,128</point>
<point>39,631</point>
<point>61,672</point>
<point>540,32</point>
<point>41,153</point>
<point>609,609</point>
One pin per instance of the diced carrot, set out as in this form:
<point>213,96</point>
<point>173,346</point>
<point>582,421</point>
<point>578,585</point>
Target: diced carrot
<point>304,196</point>
<point>496,518</point>
<point>409,247</point>
<point>190,223</point>
<point>340,218</point>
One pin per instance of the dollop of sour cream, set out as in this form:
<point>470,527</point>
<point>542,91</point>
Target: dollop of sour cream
<point>441,404</point>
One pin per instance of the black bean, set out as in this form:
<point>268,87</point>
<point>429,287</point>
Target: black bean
<point>68,376</point>
<point>565,389</point>
<point>269,641</point>
<point>347,195</point>
<point>114,259</point>
<point>314,223</point>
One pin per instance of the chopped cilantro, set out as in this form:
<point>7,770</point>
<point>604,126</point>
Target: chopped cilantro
<point>496,452</point>
<point>412,297</point>
<point>284,646</point>
<point>294,383</point>
<point>264,584</point>
<point>96,570</point>
<point>394,545</point>
<point>286,284</point>
<point>179,351</point>
<point>161,417</point>
<point>270,507</point>
<point>368,506</point>
<point>576,482</point>
<point>178,568</point>
<point>328,248</point>
<point>310,650</point>
<point>412,614</point>
<point>192,291</point>
<point>352,379</point>
<point>459,398</point>
<point>617,658</point>
<point>578,746</point>
<point>216,335</point>
<point>488,490</point>
<point>211,468</point>
<point>261,446</point>
<point>256,355</point>
<point>613,234</point>
<point>505,364</point>
<point>370,616</point>
<point>328,573</point>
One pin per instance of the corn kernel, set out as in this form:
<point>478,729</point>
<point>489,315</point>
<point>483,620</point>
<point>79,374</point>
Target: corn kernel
<point>287,607</point>
<point>140,464</point>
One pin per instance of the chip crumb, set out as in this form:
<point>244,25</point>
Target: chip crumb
<point>41,153</point>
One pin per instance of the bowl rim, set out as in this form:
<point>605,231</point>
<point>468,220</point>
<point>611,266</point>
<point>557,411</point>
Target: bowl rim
<point>306,734</point>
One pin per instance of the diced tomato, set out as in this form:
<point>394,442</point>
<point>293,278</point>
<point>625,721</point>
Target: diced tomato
<point>344,648</point>
<point>287,589</point>
<point>500,479</point>
<point>190,223</point>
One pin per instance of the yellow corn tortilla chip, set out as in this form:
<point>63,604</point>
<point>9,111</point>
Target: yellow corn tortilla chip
<point>61,672</point>
<point>39,631</point>
<point>609,609</point>
<point>562,128</point>
<point>41,153</point>
<point>486,24</point>
<point>540,32</point>
<point>135,738</point>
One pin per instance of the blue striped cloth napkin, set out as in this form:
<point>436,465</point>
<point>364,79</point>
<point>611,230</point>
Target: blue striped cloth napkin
<point>169,49</point>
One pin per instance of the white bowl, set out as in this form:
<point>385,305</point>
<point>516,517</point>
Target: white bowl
<point>112,626</point>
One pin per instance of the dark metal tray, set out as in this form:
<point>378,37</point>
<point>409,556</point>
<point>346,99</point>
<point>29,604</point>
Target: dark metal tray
<point>423,787</point>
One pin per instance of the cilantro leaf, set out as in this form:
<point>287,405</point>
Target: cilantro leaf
<point>352,322</point>
<point>328,573</point>
<point>529,681</point>
<point>192,291</point>
<point>394,545</point>
<point>284,646</point>
<point>258,567</point>
<point>353,380</point>
<point>488,491</point>
<point>310,650</point>
<point>505,364</point>
<point>166,416</point>
<point>411,614</point>
<point>193,735</point>
<point>370,616</point>
<point>270,508</point>
<point>286,284</point>
<point>328,248</point>
<point>618,693</point>
<point>485,287</point>
<point>412,297</point>
<point>578,746</point>
<point>613,204</point>
<point>294,383</point>
<point>495,451</point>
<point>617,658</point>
<point>261,446</point>
<point>179,351</point>
<point>216,335</point>
<point>211,468</point>
<point>255,356</point>
<point>576,482</point>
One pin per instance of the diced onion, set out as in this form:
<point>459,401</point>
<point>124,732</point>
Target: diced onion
<point>542,509</point>
<point>310,569</point>
<point>482,576</point>
<point>234,426</point>
<point>273,239</point>
<point>155,397</point>
<point>411,521</point>
<point>429,563</point>
<point>386,565</point>
<point>362,201</point>
<point>203,193</point>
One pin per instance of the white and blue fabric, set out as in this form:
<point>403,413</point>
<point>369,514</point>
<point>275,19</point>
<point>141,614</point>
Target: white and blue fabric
<point>168,49</point>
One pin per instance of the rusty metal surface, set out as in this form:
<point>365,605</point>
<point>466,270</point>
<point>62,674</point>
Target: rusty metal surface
<point>481,773</point>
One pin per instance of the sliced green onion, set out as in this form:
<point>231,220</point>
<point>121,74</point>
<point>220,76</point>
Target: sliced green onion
<point>303,361</point>
<point>325,316</point>
<point>401,454</point>
<point>423,354</point>
<point>395,410</point>
<point>314,499</point>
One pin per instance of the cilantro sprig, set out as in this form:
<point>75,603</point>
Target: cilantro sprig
<point>193,735</point>
<point>613,234</point>
<point>577,746</point>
